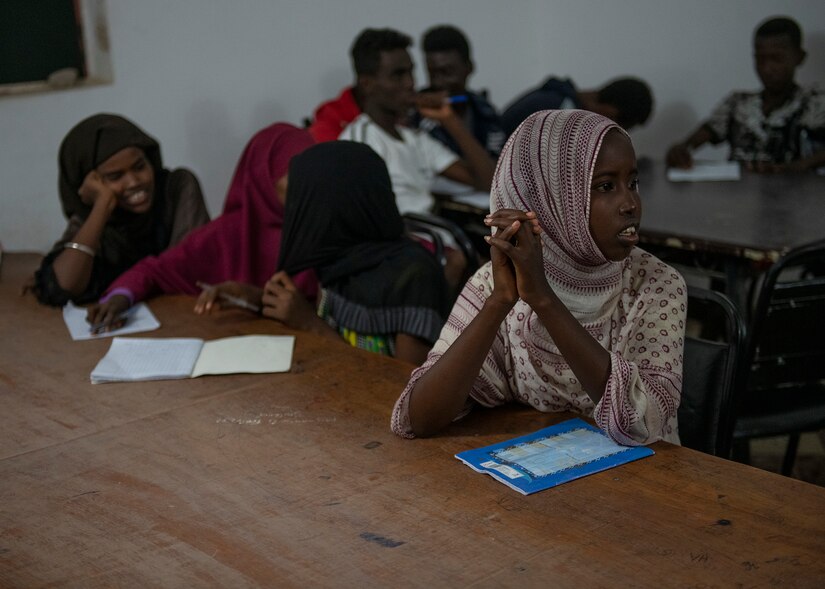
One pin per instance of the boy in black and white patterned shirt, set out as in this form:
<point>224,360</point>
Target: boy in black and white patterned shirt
<point>778,129</point>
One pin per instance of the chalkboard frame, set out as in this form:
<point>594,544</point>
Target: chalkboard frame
<point>87,21</point>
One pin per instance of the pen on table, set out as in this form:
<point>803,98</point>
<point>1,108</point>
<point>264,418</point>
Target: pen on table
<point>231,299</point>
<point>97,328</point>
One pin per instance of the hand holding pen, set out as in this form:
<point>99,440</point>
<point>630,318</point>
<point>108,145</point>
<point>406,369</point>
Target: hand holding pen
<point>437,105</point>
<point>109,315</point>
<point>230,294</point>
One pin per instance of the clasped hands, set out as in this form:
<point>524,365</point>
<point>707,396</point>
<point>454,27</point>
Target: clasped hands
<point>516,256</point>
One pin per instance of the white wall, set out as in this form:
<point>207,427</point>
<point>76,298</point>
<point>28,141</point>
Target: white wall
<point>203,75</point>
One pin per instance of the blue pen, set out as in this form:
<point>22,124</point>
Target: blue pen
<point>457,98</point>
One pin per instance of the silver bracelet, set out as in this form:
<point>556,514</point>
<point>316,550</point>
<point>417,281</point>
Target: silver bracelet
<point>73,245</point>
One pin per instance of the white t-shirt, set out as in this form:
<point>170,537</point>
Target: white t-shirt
<point>413,162</point>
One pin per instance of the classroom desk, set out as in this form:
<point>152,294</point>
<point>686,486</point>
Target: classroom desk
<point>759,217</point>
<point>295,480</point>
<point>744,225</point>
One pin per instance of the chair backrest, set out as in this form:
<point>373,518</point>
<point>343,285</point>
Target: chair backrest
<point>783,389</point>
<point>786,343</point>
<point>435,225</point>
<point>429,233</point>
<point>710,372</point>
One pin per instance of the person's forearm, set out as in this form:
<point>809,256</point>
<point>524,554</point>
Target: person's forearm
<point>698,138</point>
<point>679,154</point>
<point>410,348</point>
<point>475,155</point>
<point>440,394</point>
<point>72,267</point>
<point>589,361</point>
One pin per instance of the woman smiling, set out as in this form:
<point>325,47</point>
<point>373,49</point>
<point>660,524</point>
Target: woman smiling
<point>122,205</point>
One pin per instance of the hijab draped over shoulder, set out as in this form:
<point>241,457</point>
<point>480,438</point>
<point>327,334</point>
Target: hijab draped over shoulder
<point>177,205</point>
<point>634,308</point>
<point>242,244</point>
<point>342,221</point>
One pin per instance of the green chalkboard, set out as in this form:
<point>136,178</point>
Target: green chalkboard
<point>38,37</point>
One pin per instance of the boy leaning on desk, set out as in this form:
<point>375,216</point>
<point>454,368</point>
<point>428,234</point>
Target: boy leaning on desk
<point>780,128</point>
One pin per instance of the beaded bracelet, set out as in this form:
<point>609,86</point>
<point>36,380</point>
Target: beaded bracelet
<point>79,247</point>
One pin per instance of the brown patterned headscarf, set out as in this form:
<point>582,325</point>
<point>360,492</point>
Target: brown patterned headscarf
<point>547,167</point>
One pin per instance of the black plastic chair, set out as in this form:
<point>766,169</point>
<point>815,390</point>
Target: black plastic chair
<point>428,233</point>
<point>784,391</point>
<point>469,218</point>
<point>433,227</point>
<point>710,372</point>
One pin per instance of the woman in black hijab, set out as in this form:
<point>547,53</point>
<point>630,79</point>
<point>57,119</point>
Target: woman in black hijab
<point>381,291</point>
<point>122,205</point>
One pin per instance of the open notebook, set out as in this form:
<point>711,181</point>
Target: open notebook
<point>551,456</point>
<point>136,359</point>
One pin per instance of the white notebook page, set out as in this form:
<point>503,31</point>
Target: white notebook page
<point>706,172</point>
<point>246,353</point>
<point>132,359</point>
<point>139,318</point>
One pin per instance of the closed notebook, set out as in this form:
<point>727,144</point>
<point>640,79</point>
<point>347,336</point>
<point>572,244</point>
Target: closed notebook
<point>137,359</point>
<point>551,456</point>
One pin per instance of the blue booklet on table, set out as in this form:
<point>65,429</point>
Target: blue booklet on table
<point>551,456</point>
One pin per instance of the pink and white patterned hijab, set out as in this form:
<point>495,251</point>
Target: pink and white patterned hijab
<point>634,308</point>
<point>547,166</point>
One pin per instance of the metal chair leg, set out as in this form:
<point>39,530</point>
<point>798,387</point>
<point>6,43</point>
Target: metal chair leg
<point>790,454</point>
<point>741,451</point>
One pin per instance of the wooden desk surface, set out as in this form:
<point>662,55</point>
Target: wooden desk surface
<point>759,216</point>
<point>295,480</point>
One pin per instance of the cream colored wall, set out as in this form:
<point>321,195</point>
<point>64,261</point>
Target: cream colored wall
<point>203,75</point>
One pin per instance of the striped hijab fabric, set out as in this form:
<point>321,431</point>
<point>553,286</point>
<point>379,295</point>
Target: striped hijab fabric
<point>634,308</point>
<point>546,167</point>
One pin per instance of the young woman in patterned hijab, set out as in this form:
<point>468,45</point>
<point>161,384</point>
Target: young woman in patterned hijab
<point>568,315</point>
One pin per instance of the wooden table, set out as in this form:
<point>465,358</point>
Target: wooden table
<point>740,227</point>
<point>295,480</point>
<point>759,217</point>
<point>743,226</point>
